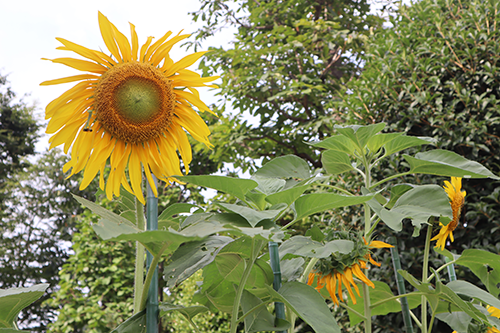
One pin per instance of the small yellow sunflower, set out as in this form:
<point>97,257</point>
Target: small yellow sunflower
<point>336,277</point>
<point>129,108</point>
<point>456,196</point>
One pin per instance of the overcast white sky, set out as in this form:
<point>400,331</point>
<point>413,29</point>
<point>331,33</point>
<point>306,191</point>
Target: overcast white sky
<point>28,29</point>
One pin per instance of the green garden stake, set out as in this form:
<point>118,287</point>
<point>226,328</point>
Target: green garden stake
<point>275,265</point>
<point>451,270</point>
<point>401,286</point>
<point>152,224</point>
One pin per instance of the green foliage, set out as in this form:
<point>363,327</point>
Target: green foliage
<point>96,283</point>
<point>286,62</point>
<point>18,134</point>
<point>38,222</point>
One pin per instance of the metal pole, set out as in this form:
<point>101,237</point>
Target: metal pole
<point>275,265</point>
<point>152,224</point>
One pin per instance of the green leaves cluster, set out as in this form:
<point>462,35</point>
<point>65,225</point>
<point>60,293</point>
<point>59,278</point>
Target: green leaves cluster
<point>285,64</point>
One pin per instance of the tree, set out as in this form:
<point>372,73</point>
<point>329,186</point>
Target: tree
<point>18,134</point>
<point>287,62</point>
<point>435,73</point>
<point>34,233</point>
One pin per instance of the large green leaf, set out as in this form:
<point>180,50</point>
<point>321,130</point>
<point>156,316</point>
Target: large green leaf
<point>319,202</point>
<point>381,139</point>
<point>306,247</point>
<point>336,162</point>
<point>468,289</point>
<point>447,163</point>
<point>339,143</point>
<point>234,186</point>
<point>189,312</point>
<point>308,304</point>
<point>289,166</point>
<point>251,215</point>
<point>118,220</point>
<point>191,257</point>
<point>381,292</point>
<point>360,134</point>
<point>404,142</point>
<point>134,324</point>
<point>443,293</point>
<point>287,196</point>
<point>268,185</point>
<point>13,300</point>
<point>417,204</point>
<point>485,265</point>
<point>231,267</point>
<point>216,292</point>
<point>261,319</point>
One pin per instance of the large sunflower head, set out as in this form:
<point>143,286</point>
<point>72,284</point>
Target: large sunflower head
<point>131,107</point>
<point>340,269</point>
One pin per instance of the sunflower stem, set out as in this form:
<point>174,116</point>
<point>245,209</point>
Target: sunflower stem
<point>254,251</point>
<point>368,231</point>
<point>425,270</point>
<point>139,258</point>
<point>152,262</point>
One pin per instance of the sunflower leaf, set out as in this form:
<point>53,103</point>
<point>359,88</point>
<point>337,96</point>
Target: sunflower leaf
<point>308,304</point>
<point>447,163</point>
<point>289,166</point>
<point>234,186</point>
<point>318,202</point>
<point>13,300</point>
<point>261,319</point>
<point>485,265</point>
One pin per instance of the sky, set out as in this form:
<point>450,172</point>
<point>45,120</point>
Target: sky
<point>28,29</point>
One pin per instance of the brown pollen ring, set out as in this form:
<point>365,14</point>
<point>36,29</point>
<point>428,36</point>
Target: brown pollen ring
<point>114,112</point>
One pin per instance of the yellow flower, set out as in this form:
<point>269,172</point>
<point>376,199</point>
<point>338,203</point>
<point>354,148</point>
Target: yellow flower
<point>456,196</point>
<point>335,279</point>
<point>129,108</point>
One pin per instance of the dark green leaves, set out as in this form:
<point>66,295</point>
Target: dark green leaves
<point>319,202</point>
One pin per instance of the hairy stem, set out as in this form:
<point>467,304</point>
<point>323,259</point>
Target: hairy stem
<point>139,258</point>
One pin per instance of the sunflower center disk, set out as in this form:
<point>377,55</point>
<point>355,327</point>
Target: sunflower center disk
<point>134,102</point>
<point>137,100</point>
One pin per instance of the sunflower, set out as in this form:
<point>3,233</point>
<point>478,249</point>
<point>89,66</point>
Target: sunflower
<point>131,107</point>
<point>335,271</point>
<point>456,196</point>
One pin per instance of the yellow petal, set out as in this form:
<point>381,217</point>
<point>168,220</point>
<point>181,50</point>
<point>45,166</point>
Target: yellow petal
<point>184,62</point>
<point>107,36</point>
<point>135,174</point>
<point>86,52</point>
<point>122,42</point>
<point>135,41</point>
<point>155,45</point>
<point>70,79</point>
<point>165,48</point>
<point>142,53</point>
<point>81,65</point>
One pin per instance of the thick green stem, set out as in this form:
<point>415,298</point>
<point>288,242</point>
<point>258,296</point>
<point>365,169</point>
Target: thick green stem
<point>139,258</point>
<point>151,286</point>
<point>389,178</point>
<point>425,270</point>
<point>368,220</point>
<point>241,286</point>
<point>352,310</point>
<point>151,273</point>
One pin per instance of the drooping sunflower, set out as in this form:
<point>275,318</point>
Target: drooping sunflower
<point>456,196</point>
<point>339,270</point>
<point>131,107</point>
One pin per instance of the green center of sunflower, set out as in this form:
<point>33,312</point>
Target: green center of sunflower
<point>137,100</point>
<point>134,102</point>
